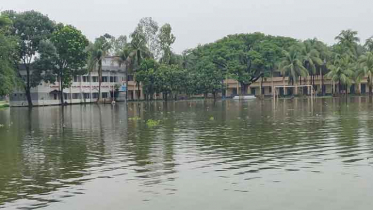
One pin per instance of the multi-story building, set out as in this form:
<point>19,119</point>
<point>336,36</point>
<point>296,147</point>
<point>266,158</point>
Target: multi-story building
<point>83,89</point>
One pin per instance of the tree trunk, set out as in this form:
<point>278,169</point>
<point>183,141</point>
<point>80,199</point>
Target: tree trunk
<point>370,86</point>
<point>322,84</point>
<point>99,80</point>
<point>28,96</point>
<point>28,88</point>
<point>138,91</point>
<point>243,89</point>
<point>126,84</point>
<point>61,87</point>
<point>272,88</point>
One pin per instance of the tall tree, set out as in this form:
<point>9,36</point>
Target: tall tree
<point>311,58</point>
<point>96,54</point>
<point>148,28</point>
<point>348,39</point>
<point>8,49</point>
<point>123,59</point>
<point>30,28</point>
<point>366,69</point>
<point>65,54</point>
<point>139,51</point>
<point>292,65</point>
<point>166,39</point>
<point>342,71</point>
<point>369,44</point>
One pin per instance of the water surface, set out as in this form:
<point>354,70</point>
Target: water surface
<point>296,154</point>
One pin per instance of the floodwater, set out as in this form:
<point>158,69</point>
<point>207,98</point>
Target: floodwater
<point>296,154</point>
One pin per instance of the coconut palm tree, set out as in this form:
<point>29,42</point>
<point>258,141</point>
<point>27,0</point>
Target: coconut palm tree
<point>342,71</point>
<point>292,65</point>
<point>97,52</point>
<point>349,39</point>
<point>138,51</point>
<point>123,58</point>
<point>366,69</point>
<point>369,44</point>
<point>311,58</point>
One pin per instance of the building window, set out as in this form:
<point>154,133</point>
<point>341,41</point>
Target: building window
<point>66,96</point>
<point>270,89</point>
<point>55,96</point>
<point>94,95</point>
<point>113,79</point>
<point>76,95</point>
<point>104,95</point>
<point>87,95</point>
<point>130,77</point>
<point>86,78</point>
<point>104,79</point>
<point>76,78</point>
<point>94,79</point>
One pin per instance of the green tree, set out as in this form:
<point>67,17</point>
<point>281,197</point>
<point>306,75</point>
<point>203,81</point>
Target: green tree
<point>8,46</point>
<point>30,28</point>
<point>292,65</point>
<point>366,69</point>
<point>65,54</point>
<point>342,71</point>
<point>147,75</point>
<point>369,44</point>
<point>139,51</point>
<point>148,29</point>
<point>166,39</point>
<point>311,58</point>
<point>123,59</point>
<point>349,40</point>
<point>96,54</point>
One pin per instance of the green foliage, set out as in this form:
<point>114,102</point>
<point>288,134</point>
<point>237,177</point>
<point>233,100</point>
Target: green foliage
<point>30,28</point>
<point>166,39</point>
<point>8,48</point>
<point>96,54</point>
<point>64,55</point>
<point>292,65</point>
<point>342,71</point>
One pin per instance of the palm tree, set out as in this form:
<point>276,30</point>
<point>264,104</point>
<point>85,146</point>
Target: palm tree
<point>366,68</point>
<point>97,52</point>
<point>369,44</point>
<point>138,51</point>
<point>349,39</point>
<point>292,65</point>
<point>123,58</point>
<point>311,58</point>
<point>342,71</point>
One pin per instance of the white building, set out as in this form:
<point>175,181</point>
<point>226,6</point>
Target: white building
<point>84,89</point>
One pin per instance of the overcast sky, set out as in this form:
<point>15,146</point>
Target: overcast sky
<point>203,21</point>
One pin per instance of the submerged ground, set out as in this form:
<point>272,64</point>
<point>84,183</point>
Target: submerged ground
<point>189,155</point>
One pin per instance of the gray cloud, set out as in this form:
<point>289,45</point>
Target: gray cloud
<point>202,21</point>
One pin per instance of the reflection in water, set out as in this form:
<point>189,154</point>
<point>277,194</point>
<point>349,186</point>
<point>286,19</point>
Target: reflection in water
<point>203,154</point>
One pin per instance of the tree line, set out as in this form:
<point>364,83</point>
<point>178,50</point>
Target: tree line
<point>49,51</point>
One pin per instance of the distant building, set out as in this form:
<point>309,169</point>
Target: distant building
<point>84,89</point>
